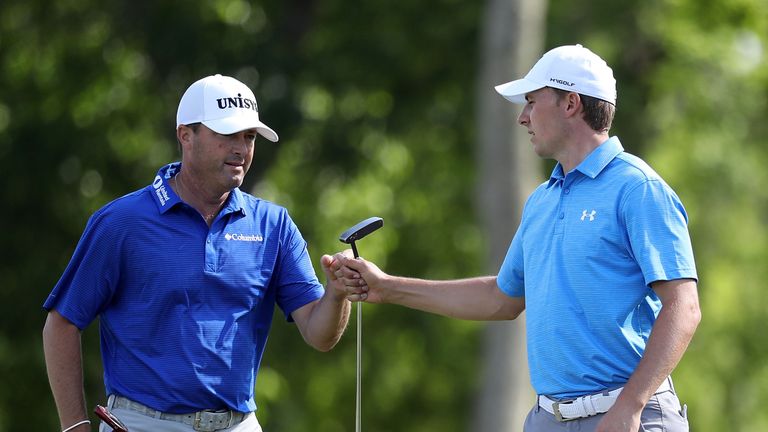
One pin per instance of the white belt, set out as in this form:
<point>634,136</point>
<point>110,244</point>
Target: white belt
<point>589,405</point>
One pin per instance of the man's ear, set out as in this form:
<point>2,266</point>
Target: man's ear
<point>184,135</point>
<point>573,104</point>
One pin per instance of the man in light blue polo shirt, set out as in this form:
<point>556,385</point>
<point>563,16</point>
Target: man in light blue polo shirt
<point>184,276</point>
<point>601,262</point>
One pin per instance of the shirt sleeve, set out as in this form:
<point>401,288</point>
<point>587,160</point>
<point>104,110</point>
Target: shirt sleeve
<point>657,232</point>
<point>297,283</point>
<point>511,278</point>
<point>90,278</point>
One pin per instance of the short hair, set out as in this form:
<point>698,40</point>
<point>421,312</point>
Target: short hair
<point>194,126</point>
<point>598,113</point>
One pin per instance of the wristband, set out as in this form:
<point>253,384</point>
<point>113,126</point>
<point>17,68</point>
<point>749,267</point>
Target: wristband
<point>76,425</point>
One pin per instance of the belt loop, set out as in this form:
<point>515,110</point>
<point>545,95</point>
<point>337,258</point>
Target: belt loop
<point>111,401</point>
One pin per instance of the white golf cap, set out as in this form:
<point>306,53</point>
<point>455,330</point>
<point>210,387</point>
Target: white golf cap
<point>569,67</point>
<point>224,105</point>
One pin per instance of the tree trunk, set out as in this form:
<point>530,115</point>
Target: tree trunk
<point>512,41</point>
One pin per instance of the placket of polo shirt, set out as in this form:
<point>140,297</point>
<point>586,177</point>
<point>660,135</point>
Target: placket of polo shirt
<point>212,242</point>
<point>211,255</point>
<point>213,245</point>
<point>562,206</point>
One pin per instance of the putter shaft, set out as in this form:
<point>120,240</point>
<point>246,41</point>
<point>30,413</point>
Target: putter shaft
<point>349,236</point>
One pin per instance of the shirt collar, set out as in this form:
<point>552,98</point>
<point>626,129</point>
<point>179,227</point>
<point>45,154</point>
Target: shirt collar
<point>234,203</point>
<point>166,198</point>
<point>594,163</point>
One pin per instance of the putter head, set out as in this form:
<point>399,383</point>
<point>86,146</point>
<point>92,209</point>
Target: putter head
<point>361,230</point>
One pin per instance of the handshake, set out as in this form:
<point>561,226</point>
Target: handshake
<point>358,280</point>
<point>346,272</point>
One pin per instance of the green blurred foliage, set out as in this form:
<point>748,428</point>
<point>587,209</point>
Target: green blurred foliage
<point>374,107</point>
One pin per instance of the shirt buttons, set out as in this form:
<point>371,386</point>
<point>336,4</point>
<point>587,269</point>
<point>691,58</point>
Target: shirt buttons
<point>562,216</point>
<point>566,191</point>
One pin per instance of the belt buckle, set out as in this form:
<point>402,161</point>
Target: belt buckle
<point>213,421</point>
<point>558,415</point>
<point>196,423</point>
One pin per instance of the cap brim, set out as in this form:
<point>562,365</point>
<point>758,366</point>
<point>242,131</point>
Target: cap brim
<point>236,124</point>
<point>515,91</point>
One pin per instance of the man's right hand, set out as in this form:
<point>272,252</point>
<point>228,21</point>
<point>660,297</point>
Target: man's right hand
<point>477,298</point>
<point>372,278</point>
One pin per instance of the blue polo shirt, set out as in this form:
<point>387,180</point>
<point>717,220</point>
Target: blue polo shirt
<point>185,309</point>
<point>589,245</point>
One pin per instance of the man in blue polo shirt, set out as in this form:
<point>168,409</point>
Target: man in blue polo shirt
<point>601,262</point>
<point>184,275</point>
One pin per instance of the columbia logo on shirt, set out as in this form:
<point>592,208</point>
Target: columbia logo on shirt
<point>244,237</point>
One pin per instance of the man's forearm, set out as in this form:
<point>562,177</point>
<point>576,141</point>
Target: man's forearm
<point>328,319</point>
<point>472,299</point>
<point>63,360</point>
<point>671,334</point>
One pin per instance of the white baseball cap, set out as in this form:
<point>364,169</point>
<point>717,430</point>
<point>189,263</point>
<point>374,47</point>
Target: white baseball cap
<point>224,105</point>
<point>569,67</point>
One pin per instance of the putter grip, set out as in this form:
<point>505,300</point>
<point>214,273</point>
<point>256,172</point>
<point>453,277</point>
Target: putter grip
<point>110,419</point>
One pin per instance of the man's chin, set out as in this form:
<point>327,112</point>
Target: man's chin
<point>234,181</point>
<point>236,176</point>
<point>237,182</point>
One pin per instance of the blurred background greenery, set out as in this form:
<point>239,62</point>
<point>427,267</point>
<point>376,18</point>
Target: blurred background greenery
<point>374,102</point>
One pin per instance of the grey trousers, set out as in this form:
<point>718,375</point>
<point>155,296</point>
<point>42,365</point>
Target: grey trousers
<point>663,413</point>
<point>138,422</point>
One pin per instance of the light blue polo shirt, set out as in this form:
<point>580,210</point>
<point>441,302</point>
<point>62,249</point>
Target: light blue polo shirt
<point>589,245</point>
<point>185,309</point>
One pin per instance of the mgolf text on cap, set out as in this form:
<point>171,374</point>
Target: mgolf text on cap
<point>571,68</point>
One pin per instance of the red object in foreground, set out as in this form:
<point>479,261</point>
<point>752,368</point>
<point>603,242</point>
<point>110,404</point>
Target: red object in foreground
<point>110,419</point>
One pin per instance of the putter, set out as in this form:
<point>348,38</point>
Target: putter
<point>349,237</point>
<point>110,419</point>
<point>359,231</point>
